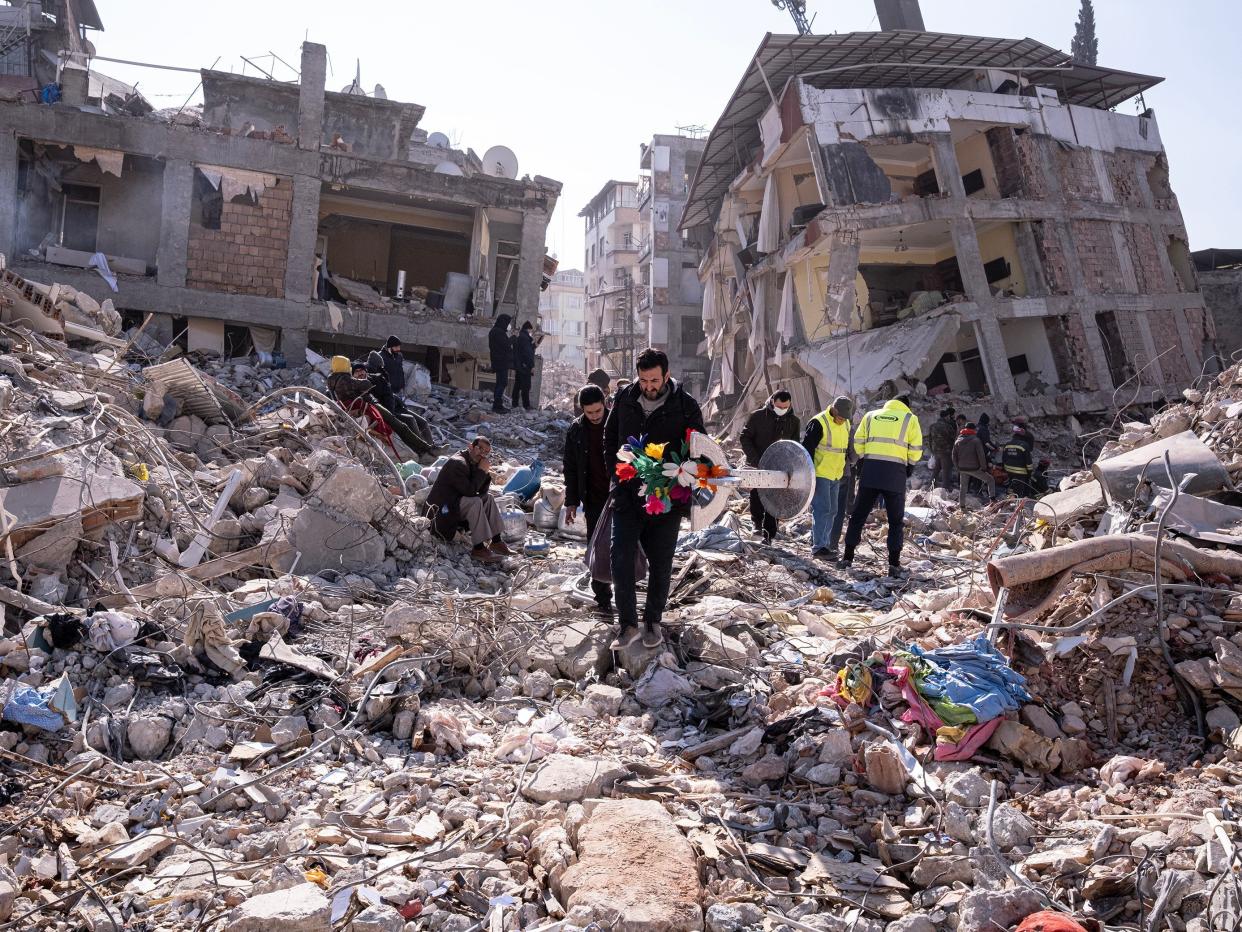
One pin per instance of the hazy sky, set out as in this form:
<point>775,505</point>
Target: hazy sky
<point>574,86</point>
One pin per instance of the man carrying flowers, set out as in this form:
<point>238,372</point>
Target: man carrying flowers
<point>645,442</point>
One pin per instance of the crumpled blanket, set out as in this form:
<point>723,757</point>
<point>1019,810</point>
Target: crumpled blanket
<point>713,537</point>
<point>973,674</point>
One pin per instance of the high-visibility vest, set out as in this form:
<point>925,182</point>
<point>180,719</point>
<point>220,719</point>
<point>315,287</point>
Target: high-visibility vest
<point>1016,458</point>
<point>834,442</point>
<point>891,434</point>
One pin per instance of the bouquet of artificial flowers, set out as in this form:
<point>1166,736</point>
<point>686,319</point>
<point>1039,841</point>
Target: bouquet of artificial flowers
<point>669,476</point>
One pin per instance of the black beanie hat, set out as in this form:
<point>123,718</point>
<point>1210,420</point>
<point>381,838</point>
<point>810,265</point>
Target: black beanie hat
<point>392,341</point>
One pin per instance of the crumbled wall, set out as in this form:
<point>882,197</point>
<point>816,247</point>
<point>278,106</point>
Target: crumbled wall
<point>1080,368</point>
<point>249,252</point>
<point>1123,169</point>
<point>1097,254</point>
<point>1006,160</point>
<point>1052,255</point>
<point>1165,336</point>
<point>1076,170</point>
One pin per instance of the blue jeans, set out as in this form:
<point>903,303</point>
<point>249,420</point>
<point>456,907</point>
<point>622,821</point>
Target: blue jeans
<point>823,510</point>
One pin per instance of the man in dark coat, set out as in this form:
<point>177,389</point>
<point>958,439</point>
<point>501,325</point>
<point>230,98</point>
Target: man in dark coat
<point>394,365</point>
<point>970,459</point>
<point>657,408</point>
<point>940,437</point>
<point>523,365</point>
<point>587,477</point>
<point>774,421</point>
<point>405,424</point>
<point>500,348</point>
<point>459,497</point>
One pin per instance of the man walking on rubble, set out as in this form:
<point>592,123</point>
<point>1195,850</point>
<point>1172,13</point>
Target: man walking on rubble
<point>500,348</point>
<point>459,497</point>
<point>774,421</point>
<point>587,477</point>
<point>889,441</point>
<point>971,462</point>
<point>658,410</point>
<point>827,439</point>
<point>940,437</point>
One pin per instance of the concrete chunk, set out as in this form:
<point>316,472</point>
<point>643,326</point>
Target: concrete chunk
<point>303,908</point>
<point>565,779</point>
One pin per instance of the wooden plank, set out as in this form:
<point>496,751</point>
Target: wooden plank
<point>166,586</point>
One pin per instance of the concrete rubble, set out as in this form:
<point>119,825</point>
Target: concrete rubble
<point>245,689</point>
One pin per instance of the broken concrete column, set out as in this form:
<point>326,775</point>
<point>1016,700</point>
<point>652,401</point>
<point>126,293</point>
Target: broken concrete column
<point>300,263</point>
<point>530,268</point>
<point>995,358</point>
<point>172,259</point>
<point>8,193</point>
<point>293,345</point>
<point>944,160</point>
<point>842,292</point>
<point>635,869</point>
<point>313,76</point>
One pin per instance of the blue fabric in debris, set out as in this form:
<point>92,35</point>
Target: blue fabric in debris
<point>713,537</point>
<point>973,674</point>
<point>29,706</point>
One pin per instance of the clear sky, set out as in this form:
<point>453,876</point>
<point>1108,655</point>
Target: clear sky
<point>574,87</point>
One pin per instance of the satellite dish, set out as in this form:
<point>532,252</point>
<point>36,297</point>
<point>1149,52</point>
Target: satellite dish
<point>438,141</point>
<point>501,162</point>
<point>447,168</point>
<point>380,93</point>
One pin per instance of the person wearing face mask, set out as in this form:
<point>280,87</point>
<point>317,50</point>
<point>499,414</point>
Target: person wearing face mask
<point>827,439</point>
<point>774,421</point>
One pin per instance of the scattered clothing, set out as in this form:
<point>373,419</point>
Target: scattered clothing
<point>962,743</point>
<point>974,675</point>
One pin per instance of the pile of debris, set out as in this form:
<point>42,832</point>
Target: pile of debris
<point>246,689</point>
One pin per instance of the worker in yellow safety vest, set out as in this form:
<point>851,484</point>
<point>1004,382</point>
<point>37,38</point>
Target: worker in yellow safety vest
<point>889,442</point>
<point>827,439</point>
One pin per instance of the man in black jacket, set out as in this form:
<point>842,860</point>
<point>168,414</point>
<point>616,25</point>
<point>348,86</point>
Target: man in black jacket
<point>523,365</point>
<point>774,421</point>
<point>658,409</point>
<point>500,348</point>
<point>587,477</point>
<point>394,365</point>
<point>459,496</point>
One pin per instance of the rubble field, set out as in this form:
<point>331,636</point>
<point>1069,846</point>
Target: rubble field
<point>245,689</point>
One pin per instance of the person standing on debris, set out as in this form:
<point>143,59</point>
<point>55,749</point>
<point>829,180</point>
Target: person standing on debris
<point>659,410</point>
<point>889,442</point>
<point>940,437</point>
<point>523,365</point>
<point>587,479</point>
<point>1023,434</point>
<point>774,421</point>
<point>984,430</point>
<point>845,495</point>
<point>394,366</point>
<point>459,497</point>
<point>827,439</point>
<point>500,348</point>
<point>1016,458</point>
<point>971,462</point>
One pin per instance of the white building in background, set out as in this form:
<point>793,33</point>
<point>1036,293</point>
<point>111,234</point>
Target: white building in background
<point>563,309</point>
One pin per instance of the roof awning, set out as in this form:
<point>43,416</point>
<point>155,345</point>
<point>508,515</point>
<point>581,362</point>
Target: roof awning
<point>860,363</point>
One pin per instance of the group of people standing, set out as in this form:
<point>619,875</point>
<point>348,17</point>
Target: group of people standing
<point>966,451</point>
<point>512,354</point>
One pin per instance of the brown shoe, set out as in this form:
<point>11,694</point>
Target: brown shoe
<point>500,547</point>
<point>481,554</point>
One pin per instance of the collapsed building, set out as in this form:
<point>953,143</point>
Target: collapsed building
<point>1220,280</point>
<point>283,216</point>
<point>969,214</point>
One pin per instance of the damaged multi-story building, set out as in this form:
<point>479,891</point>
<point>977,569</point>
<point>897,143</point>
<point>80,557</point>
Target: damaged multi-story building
<point>284,215</point>
<point>956,213</point>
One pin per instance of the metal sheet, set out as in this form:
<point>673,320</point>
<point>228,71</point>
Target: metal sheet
<point>1119,475</point>
<point>788,457</point>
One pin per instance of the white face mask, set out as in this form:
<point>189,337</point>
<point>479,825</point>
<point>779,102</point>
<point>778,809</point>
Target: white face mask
<point>780,410</point>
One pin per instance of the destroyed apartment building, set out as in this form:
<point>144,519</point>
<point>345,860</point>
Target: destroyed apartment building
<point>977,215</point>
<point>283,216</point>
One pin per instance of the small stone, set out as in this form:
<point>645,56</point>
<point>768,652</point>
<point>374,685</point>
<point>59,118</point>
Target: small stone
<point>383,918</point>
<point>967,788</point>
<point>988,910</point>
<point>836,748</point>
<point>916,923</point>
<point>538,684</point>
<point>564,779</point>
<point>1011,827</point>
<point>748,744</point>
<point>148,736</point>
<point>605,700</point>
<point>824,774</point>
<point>957,824</point>
<point>766,769</point>
<point>722,917</point>
<point>940,871</point>
<point>1036,717</point>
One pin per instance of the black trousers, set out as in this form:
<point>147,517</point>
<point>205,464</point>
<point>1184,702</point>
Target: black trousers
<point>602,590</point>
<point>894,505</point>
<point>502,382</point>
<point>521,388</point>
<point>764,522</point>
<point>845,501</point>
<point>401,427</point>
<point>658,537</point>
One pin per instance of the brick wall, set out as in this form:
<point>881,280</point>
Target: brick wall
<point>1027,147</point>
<point>1006,160</point>
<point>1048,243</point>
<point>1123,168</point>
<point>1097,254</point>
<point>1079,372</point>
<point>250,251</point>
<point>1147,268</point>
<point>1077,171</point>
<point>1164,334</point>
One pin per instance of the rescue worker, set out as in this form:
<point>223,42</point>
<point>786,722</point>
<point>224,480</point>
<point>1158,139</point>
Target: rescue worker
<point>1016,458</point>
<point>889,441</point>
<point>459,497</point>
<point>587,477</point>
<point>940,437</point>
<point>500,348</point>
<point>971,462</point>
<point>827,439</point>
<point>774,421</point>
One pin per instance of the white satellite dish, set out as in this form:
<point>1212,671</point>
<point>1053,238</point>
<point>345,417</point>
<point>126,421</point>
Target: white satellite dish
<point>438,141</point>
<point>501,162</point>
<point>447,168</point>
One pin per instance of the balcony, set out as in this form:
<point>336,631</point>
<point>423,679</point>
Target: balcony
<point>623,247</point>
<point>644,249</point>
<point>644,190</point>
<point>615,341</point>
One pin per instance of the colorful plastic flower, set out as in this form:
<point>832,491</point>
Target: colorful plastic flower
<point>655,450</point>
<point>680,494</point>
<point>656,505</point>
<point>626,472</point>
<point>684,472</point>
<point>626,454</point>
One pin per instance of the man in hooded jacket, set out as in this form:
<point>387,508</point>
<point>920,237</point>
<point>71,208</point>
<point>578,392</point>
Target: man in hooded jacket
<point>774,421</point>
<point>523,365</point>
<point>500,348</point>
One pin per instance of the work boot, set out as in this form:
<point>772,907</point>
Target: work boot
<point>626,637</point>
<point>896,572</point>
<point>500,547</point>
<point>845,563</point>
<point>483,554</point>
<point>821,553</point>
<point>832,556</point>
<point>499,409</point>
<point>653,637</point>
<point>767,539</point>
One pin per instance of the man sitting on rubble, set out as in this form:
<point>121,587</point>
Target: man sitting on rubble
<point>661,411</point>
<point>459,498</point>
<point>412,430</point>
<point>587,477</point>
<point>971,462</point>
